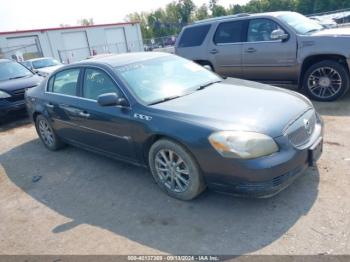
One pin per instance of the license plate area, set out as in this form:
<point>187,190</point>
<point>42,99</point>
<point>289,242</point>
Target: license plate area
<point>315,152</point>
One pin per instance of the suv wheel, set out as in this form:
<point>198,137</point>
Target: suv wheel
<point>175,170</point>
<point>326,81</point>
<point>47,134</point>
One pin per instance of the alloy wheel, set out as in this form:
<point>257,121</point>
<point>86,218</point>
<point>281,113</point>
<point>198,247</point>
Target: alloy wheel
<point>172,170</point>
<point>325,82</point>
<point>46,133</point>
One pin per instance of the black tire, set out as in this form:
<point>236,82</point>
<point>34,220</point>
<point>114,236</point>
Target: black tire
<point>195,184</point>
<point>337,75</point>
<point>54,142</point>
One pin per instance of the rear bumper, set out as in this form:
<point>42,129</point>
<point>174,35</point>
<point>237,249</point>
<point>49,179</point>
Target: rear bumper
<point>6,106</point>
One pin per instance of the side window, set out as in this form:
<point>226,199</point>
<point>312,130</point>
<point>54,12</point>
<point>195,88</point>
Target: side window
<point>261,29</point>
<point>194,36</point>
<point>65,82</point>
<point>96,83</point>
<point>50,83</point>
<point>229,32</point>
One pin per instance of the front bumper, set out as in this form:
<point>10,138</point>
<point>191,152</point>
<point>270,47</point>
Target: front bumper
<point>262,177</point>
<point>7,106</point>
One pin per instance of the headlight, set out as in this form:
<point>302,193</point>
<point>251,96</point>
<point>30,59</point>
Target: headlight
<point>4,94</point>
<point>240,144</point>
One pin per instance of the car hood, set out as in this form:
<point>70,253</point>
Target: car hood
<point>49,70</point>
<point>20,83</point>
<point>342,31</point>
<point>240,105</point>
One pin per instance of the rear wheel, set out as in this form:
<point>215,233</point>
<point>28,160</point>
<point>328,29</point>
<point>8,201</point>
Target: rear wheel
<point>175,170</point>
<point>326,81</point>
<point>47,134</point>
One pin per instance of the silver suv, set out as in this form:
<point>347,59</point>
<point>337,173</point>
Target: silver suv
<point>277,47</point>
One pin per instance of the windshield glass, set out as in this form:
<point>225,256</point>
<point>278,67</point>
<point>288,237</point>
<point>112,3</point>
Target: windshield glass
<point>300,23</point>
<point>12,70</point>
<point>165,77</point>
<point>44,63</point>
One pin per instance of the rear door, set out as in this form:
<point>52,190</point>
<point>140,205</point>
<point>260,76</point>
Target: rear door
<point>225,48</point>
<point>267,59</point>
<point>62,101</point>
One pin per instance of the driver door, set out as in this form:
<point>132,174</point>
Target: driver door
<point>267,59</point>
<point>104,129</point>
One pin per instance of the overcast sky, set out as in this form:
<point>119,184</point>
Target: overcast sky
<point>33,14</point>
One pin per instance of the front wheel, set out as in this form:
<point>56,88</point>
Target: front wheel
<point>175,170</point>
<point>326,81</point>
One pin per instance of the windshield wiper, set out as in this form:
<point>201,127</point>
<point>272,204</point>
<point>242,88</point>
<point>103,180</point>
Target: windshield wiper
<point>201,87</point>
<point>163,100</point>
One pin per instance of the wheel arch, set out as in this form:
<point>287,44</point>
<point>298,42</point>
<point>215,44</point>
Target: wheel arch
<point>156,137</point>
<point>310,60</point>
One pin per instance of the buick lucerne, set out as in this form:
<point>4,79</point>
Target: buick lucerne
<point>190,127</point>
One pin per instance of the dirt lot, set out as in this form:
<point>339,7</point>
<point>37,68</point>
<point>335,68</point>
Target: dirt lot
<point>88,204</point>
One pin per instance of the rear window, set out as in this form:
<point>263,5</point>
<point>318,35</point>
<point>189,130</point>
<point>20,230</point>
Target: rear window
<point>194,36</point>
<point>229,32</point>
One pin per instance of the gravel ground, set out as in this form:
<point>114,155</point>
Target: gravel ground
<point>76,202</point>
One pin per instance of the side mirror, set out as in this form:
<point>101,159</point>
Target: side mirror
<point>279,34</point>
<point>112,99</point>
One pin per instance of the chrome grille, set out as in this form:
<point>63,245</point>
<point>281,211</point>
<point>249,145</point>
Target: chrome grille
<point>301,130</point>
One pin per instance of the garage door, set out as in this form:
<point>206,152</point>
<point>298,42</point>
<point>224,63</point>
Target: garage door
<point>25,47</point>
<point>116,40</point>
<point>76,46</point>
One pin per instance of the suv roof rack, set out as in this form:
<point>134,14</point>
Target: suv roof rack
<point>222,18</point>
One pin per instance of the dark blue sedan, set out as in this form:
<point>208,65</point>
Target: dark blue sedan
<point>190,127</point>
<point>14,79</point>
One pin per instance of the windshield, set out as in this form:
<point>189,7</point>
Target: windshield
<point>13,70</point>
<point>300,23</point>
<point>164,78</point>
<point>44,63</point>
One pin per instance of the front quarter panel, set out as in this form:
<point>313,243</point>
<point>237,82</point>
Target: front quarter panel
<point>323,45</point>
<point>168,125</point>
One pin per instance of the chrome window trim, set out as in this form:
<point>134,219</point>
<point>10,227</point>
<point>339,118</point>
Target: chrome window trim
<point>83,98</point>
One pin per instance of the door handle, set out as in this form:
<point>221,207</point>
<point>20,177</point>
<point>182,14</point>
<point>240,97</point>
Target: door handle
<point>250,50</point>
<point>214,51</point>
<point>84,114</point>
<point>49,105</point>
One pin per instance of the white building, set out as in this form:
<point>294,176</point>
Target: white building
<point>70,44</point>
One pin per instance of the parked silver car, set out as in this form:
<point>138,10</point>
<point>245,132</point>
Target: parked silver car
<point>43,66</point>
<point>277,47</point>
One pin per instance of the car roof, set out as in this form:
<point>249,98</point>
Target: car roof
<point>238,16</point>
<point>123,59</point>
